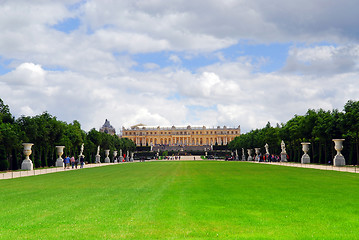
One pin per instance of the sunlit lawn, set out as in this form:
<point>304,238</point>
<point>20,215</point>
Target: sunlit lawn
<point>182,200</point>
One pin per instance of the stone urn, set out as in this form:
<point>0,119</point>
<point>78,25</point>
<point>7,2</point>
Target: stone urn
<point>107,159</point>
<point>59,160</point>
<point>27,163</point>
<point>305,158</point>
<point>249,151</point>
<point>339,159</point>
<point>257,150</point>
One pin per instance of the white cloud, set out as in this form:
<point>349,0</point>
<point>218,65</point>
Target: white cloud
<point>96,79</point>
<point>26,74</point>
<point>323,60</point>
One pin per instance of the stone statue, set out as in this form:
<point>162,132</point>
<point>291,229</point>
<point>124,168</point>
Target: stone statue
<point>283,154</point>
<point>98,157</point>
<point>267,148</point>
<point>121,156</point>
<point>242,151</point>
<point>82,149</point>
<point>282,145</point>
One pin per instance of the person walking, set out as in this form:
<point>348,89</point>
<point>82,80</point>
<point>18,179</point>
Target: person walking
<point>66,162</point>
<point>72,160</point>
<point>82,161</point>
<point>76,162</point>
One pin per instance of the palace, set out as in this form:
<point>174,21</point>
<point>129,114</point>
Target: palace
<point>107,128</point>
<point>143,135</point>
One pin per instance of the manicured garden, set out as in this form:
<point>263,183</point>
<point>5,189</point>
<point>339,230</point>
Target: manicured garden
<point>182,200</point>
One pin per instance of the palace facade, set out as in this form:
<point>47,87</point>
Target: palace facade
<point>143,135</point>
<point>107,128</point>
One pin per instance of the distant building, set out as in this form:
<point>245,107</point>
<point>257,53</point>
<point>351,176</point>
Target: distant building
<point>185,135</point>
<point>107,128</point>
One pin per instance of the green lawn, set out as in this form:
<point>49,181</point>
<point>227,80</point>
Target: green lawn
<point>182,200</point>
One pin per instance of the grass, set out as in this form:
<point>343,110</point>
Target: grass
<point>182,200</point>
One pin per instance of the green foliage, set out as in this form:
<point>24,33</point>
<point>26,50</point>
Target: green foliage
<point>318,127</point>
<point>46,132</point>
<point>4,164</point>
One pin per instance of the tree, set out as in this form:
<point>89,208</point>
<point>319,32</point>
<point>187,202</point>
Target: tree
<point>350,123</point>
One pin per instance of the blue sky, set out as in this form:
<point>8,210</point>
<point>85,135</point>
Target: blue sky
<point>67,25</point>
<point>176,63</point>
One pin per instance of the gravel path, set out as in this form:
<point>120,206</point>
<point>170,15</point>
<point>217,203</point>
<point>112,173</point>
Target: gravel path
<point>16,174</point>
<point>316,166</point>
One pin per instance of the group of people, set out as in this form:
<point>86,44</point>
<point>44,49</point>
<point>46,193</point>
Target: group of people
<point>74,162</point>
<point>270,158</point>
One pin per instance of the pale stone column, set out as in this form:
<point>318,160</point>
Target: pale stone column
<point>27,163</point>
<point>60,160</point>
<point>339,159</point>
<point>305,157</point>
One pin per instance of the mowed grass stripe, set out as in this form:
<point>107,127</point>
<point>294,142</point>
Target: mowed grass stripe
<point>182,200</point>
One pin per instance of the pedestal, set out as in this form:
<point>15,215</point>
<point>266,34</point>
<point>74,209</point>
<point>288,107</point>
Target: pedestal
<point>98,159</point>
<point>27,165</point>
<point>121,159</point>
<point>250,158</point>
<point>283,157</point>
<point>305,159</point>
<point>59,162</point>
<point>107,160</point>
<point>339,160</point>
<point>243,157</point>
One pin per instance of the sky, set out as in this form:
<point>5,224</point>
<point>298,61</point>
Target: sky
<point>163,63</point>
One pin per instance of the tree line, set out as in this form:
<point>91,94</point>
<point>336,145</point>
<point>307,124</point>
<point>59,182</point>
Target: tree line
<point>318,127</point>
<point>46,132</point>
